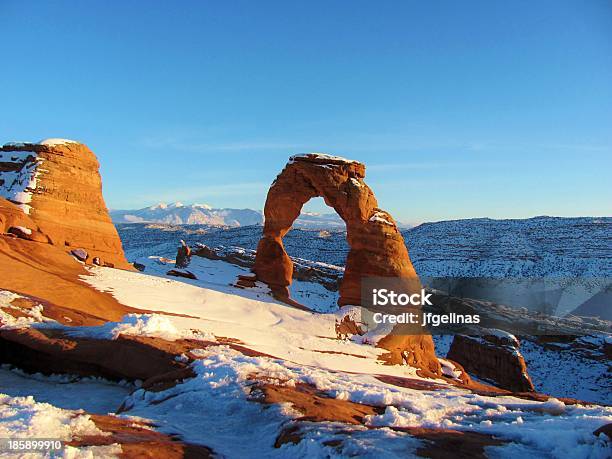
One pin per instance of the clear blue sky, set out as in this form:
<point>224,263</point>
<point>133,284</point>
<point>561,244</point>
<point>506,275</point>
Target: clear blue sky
<point>459,109</point>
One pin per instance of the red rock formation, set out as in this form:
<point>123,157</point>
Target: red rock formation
<point>183,255</point>
<point>495,358</point>
<point>58,184</point>
<point>13,221</point>
<point>30,265</point>
<point>377,248</point>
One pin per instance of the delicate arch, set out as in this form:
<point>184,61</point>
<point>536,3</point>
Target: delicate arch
<point>377,248</point>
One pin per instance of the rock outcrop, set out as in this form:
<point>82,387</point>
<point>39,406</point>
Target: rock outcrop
<point>377,248</point>
<point>57,184</point>
<point>16,223</point>
<point>30,265</point>
<point>183,255</point>
<point>303,270</point>
<point>495,358</point>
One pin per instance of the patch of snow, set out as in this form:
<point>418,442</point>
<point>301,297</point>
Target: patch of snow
<point>322,156</point>
<point>356,182</point>
<point>150,325</point>
<point>28,316</point>
<point>15,144</point>
<point>380,217</point>
<point>24,230</point>
<point>53,141</point>
<point>20,181</point>
<point>374,335</point>
<point>23,417</point>
<point>442,344</point>
<point>561,371</point>
<point>250,315</point>
<point>221,389</point>
<point>501,335</point>
<point>449,369</point>
<point>94,395</point>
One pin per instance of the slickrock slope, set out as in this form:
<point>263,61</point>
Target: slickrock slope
<point>30,265</point>
<point>377,248</point>
<point>57,183</point>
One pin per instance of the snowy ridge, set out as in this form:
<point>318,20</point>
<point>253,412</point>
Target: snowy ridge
<point>298,347</point>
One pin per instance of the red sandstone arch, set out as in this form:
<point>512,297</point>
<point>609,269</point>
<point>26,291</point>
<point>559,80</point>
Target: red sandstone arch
<point>377,247</point>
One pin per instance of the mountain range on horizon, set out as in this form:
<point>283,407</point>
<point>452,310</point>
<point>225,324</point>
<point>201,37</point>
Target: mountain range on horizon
<point>178,213</point>
<point>184,214</point>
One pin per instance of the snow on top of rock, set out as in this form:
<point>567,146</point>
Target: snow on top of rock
<point>15,144</point>
<point>380,217</point>
<point>202,206</point>
<point>322,157</point>
<point>356,182</point>
<point>449,369</point>
<point>26,317</point>
<point>55,141</point>
<point>176,204</point>
<point>23,229</point>
<point>502,335</point>
<point>19,183</point>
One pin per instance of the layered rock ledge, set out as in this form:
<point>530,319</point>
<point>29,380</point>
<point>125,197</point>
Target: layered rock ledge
<point>57,184</point>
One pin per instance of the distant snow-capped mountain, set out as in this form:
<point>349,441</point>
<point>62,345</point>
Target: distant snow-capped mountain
<point>181,214</point>
<point>203,214</point>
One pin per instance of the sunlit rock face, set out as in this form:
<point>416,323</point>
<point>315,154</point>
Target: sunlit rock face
<point>57,183</point>
<point>377,248</point>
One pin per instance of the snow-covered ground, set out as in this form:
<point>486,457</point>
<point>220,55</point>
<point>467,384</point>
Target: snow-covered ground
<point>547,264</point>
<point>216,408</point>
<point>296,339</point>
<point>94,395</point>
<point>559,371</point>
<point>26,418</point>
<point>568,374</point>
<point>213,306</point>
